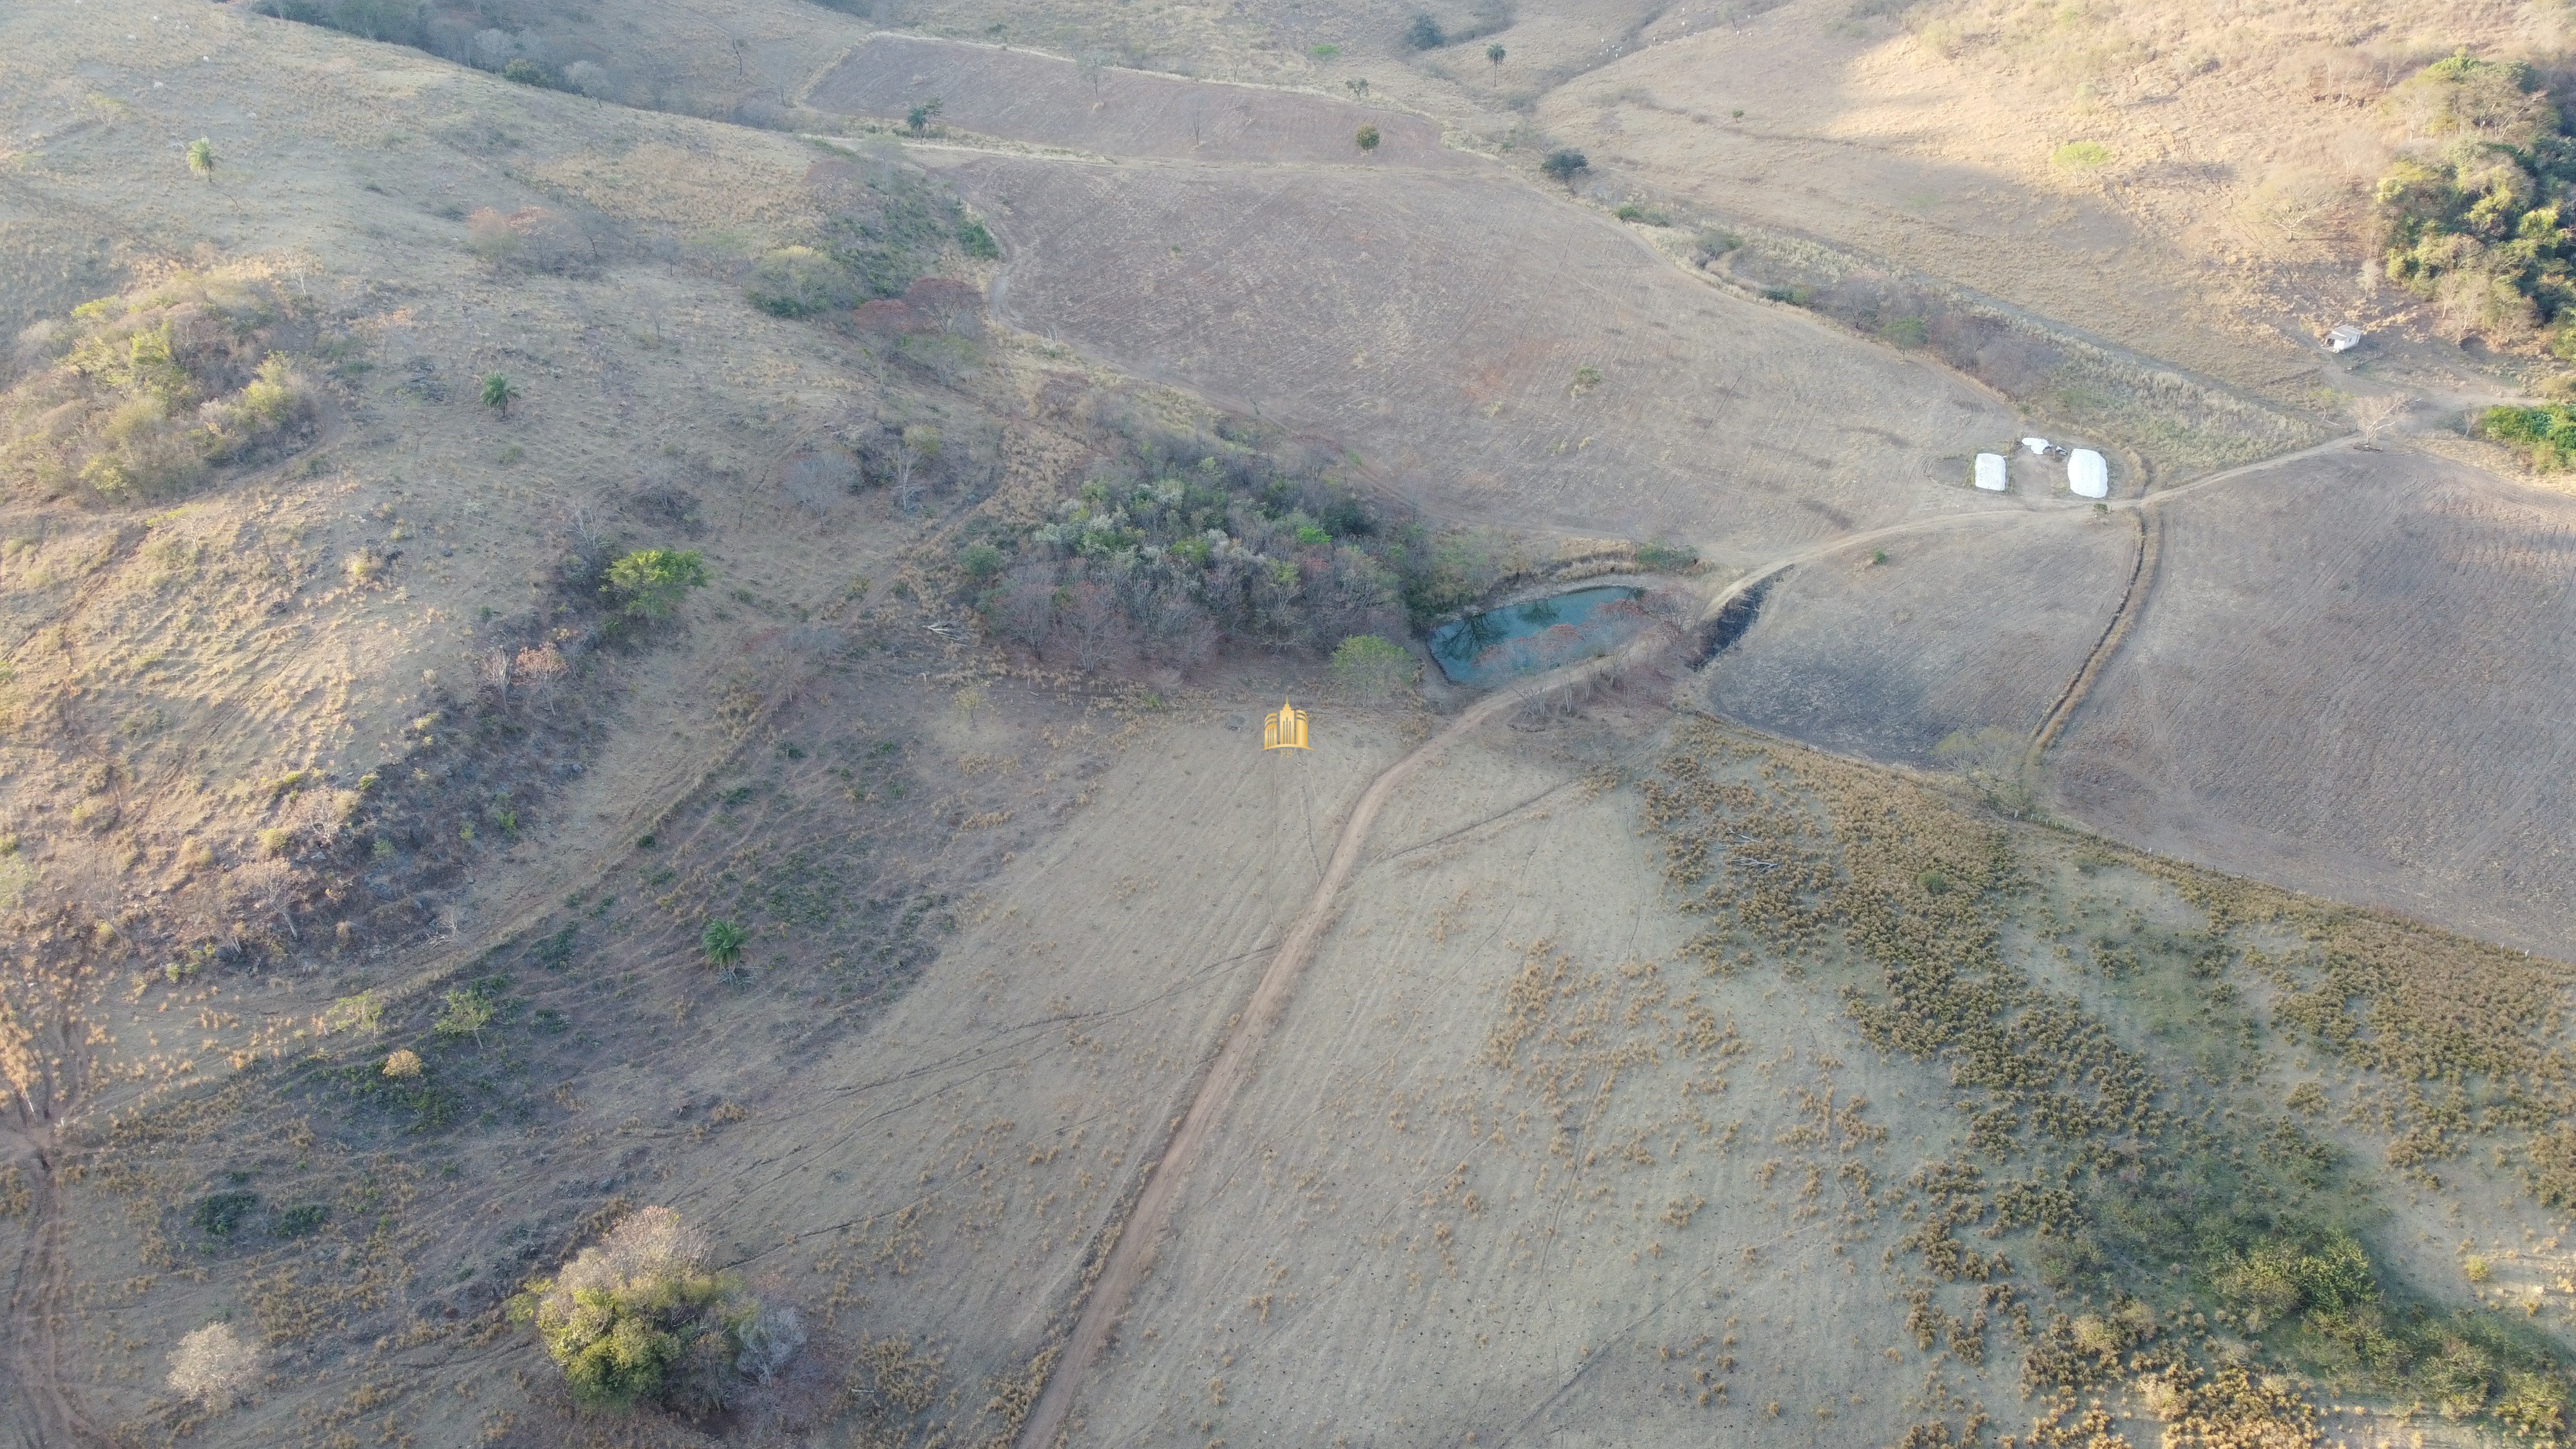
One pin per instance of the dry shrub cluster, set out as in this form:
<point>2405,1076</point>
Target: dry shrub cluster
<point>2189,1225</point>
<point>2176,420</point>
<point>213,1366</point>
<point>134,397</point>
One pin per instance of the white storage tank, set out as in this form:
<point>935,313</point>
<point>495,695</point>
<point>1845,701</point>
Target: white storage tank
<point>1990,472</point>
<point>2087,474</point>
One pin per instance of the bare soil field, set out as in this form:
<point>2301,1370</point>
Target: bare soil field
<point>1048,100</point>
<point>2349,678</point>
<point>1954,631</point>
<point>1450,352</point>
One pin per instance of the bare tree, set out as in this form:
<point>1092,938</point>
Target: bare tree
<point>917,443</point>
<point>1028,603</point>
<point>2377,414</point>
<point>1093,625</point>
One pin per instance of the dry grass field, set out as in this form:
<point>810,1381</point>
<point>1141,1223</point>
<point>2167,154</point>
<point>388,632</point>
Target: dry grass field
<point>400,896</point>
<point>1953,632</point>
<point>2349,677</point>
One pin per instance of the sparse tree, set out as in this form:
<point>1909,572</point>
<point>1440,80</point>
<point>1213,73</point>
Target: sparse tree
<point>213,1366</point>
<point>2375,415</point>
<point>1367,138</point>
<point>1424,33</point>
<point>918,443</point>
<point>201,158</point>
<point>650,582</point>
<point>1495,53</point>
<point>918,119</point>
<point>499,392</point>
<point>1564,166</point>
<point>1358,85</point>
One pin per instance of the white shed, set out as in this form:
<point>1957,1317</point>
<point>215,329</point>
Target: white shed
<point>1990,472</point>
<point>2343,338</point>
<point>2087,474</point>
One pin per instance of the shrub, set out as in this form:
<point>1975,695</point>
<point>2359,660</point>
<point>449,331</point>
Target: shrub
<point>723,942</point>
<point>639,1319</point>
<point>201,158</point>
<point>468,1011</point>
<point>976,240</point>
<point>1324,52</point>
<point>1371,666</point>
<point>1666,557</point>
<point>527,73</point>
<point>918,119</point>
<point>1642,215</point>
<point>980,561</point>
<point>2081,156</point>
<point>1424,33</point>
<point>220,1214</point>
<point>1564,166</point>
<point>213,1366</point>
<point>499,392</point>
<point>650,582</point>
<point>799,282</point>
<point>1367,137</point>
<point>403,1065</point>
<point>303,1220</point>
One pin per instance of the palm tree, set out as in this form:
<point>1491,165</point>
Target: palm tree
<point>201,158</point>
<point>1495,53</point>
<point>499,392</point>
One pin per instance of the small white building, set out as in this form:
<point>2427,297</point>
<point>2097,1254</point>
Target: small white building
<point>2343,337</point>
<point>2088,474</point>
<point>1990,472</point>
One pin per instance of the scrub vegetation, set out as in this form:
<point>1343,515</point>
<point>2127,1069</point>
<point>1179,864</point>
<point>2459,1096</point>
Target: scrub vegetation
<point>2210,1240</point>
<point>2471,213</point>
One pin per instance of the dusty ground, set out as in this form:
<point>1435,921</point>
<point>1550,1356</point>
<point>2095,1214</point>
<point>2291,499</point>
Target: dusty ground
<point>2383,716</point>
<point>1955,631</point>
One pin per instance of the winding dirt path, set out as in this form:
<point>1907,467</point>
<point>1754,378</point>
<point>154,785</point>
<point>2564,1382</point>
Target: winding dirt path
<point>1131,1251</point>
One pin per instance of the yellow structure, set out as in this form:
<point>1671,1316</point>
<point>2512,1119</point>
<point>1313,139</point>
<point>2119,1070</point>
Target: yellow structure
<point>1285,730</point>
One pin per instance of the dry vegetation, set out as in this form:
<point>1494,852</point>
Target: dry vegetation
<point>582,726</point>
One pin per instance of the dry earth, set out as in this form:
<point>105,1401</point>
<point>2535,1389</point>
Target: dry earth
<point>2350,677</point>
<point>1954,631</point>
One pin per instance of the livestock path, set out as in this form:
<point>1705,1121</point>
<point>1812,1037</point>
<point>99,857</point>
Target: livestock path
<point>1131,1251</point>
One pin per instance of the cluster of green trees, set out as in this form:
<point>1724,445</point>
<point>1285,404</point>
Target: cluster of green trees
<point>2475,214</point>
<point>640,1319</point>
<point>2545,435</point>
<point>887,232</point>
<point>1183,550</point>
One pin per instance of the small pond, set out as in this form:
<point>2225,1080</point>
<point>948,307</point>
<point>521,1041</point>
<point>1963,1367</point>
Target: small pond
<point>1493,646</point>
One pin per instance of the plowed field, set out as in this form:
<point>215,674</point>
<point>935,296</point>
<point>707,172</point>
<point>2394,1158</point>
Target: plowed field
<point>2353,677</point>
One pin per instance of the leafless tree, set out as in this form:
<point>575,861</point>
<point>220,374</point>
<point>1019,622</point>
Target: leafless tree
<point>1028,603</point>
<point>2377,414</point>
<point>1093,626</point>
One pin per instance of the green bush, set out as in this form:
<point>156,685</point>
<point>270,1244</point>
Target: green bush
<point>528,73</point>
<point>2081,156</point>
<point>1424,33</point>
<point>976,240</point>
<point>638,1319</point>
<point>979,561</point>
<point>1372,666</point>
<point>1643,215</point>
<point>2545,435</point>
<point>303,1220</point>
<point>468,1011</point>
<point>221,1214</point>
<point>1669,558</point>
<point>723,942</point>
<point>800,281</point>
<point>650,582</point>
<point>1564,166</point>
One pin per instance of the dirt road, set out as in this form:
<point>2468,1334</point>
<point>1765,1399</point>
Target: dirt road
<point>1130,1256</point>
